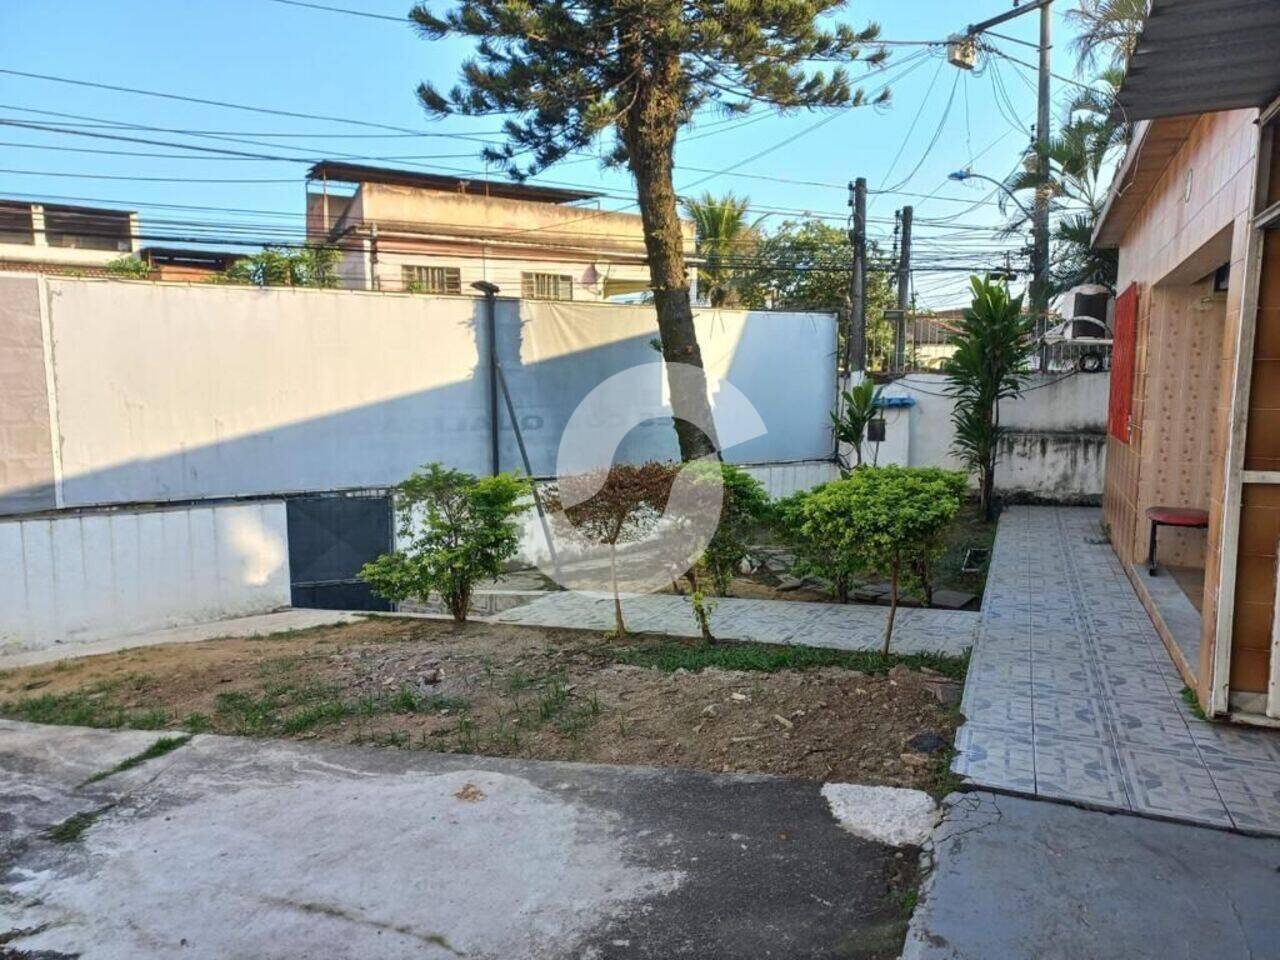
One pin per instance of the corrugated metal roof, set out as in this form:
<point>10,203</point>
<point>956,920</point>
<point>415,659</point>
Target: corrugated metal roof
<point>1200,56</point>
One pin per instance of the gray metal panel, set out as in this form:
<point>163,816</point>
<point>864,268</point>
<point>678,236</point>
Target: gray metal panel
<point>1201,56</point>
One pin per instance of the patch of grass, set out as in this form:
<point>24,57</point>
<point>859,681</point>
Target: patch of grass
<point>1191,700</point>
<point>908,901</point>
<point>197,723</point>
<point>670,655</point>
<point>74,827</point>
<point>93,707</point>
<point>158,749</point>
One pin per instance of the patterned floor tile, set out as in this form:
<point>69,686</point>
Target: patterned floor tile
<point>1171,784</point>
<point>1251,792</point>
<point>993,757</point>
<point>1151,724</point>
<point>1219,741</point>
<point>1084,770</point>
<point>1073,717</point>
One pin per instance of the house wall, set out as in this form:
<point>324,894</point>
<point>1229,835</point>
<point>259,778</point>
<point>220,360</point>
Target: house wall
<point>77,578</point>
<point>1178,449</point>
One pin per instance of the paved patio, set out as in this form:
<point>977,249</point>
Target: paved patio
<point>1072,696</point>
<point>836,625</point>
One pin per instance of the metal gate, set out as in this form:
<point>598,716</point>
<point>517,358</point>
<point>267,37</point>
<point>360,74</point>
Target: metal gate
<point>331,536</point>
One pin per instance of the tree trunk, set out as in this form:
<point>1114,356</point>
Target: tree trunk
<point>893,609</point>
<point>619,627</point>
<point>649,132</point>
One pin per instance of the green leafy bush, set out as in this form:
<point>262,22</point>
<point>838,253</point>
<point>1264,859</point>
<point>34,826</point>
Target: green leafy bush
<point>859,407</point>
<point>129,267</point>
<point>459,529</point>
<point>887,520</point>
<point>744,507</point>
<point>816,553</point>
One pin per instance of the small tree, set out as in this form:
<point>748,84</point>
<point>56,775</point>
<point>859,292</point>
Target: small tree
<point>883,520</point>
<point>743,508</point>
<point>566,75</point>
<point>459,529</point>
<point>990,364</point>
<point>859,408</point>
<point>285,267</point>
<point>725,238</point>
<point>817,552</point>
<point>612,506</point>
<point>921,561</point>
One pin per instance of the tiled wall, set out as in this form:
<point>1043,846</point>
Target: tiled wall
<point>1205,189</point>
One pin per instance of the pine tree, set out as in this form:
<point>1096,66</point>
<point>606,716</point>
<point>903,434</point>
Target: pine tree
<point>569,72</point>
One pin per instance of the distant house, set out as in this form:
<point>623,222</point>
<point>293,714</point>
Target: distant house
<point>184,264</point>
<point>931,335</point>
<point>64,239</point>
<point>1194,419</point>
<point>401,231</point>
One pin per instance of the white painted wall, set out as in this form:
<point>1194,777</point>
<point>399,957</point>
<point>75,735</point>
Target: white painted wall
<point>1055,447</point>
<point>77,578</point>
<point>167,392</point>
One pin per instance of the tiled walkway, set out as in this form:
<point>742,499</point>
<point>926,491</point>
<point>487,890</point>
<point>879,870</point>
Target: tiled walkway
<point>1071,695</point>
<point>842,626</point>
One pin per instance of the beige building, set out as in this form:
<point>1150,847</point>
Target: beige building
<point>418,232</point>
<point>41,236</point>
<point>1194,423</point>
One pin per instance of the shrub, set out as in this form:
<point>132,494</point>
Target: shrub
<point>990,364</point>
<point>884,520</point>
<point>459,529</point>
<point>859,408</point>
<point>816,553</point>
<point>616,505</point>
<point>129,267</point>
<point>744,507</point>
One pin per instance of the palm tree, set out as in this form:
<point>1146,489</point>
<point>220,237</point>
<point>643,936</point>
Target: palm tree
<point>724,236</point>
<point>1108,30</point>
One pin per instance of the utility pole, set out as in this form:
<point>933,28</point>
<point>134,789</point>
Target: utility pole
<point>962,53</point>
<point>856,340</point>
<point>904,290</point>
<point>1040,228</point>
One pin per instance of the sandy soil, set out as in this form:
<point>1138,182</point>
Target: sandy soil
<point>509,691</point>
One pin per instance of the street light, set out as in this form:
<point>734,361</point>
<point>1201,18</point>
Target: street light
<point>960,176</point>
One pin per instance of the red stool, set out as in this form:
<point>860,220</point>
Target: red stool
<point>1172,517</point>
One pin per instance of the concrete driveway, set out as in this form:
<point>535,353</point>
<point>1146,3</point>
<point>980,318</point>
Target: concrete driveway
<point>228,848</point>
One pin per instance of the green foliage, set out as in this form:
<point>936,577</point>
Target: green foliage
<point>129,268</point>
<point>990,364</point>
<point>574,72</point>
<point>158,749</point>
<point>724,237</point>
<point>670,655</point>
<point>884,520</point>
<point>90,707</point>
<point>744,507</point>
<point>816,554</point>
<point>75,826</point>
<point>459,529</point>
<point>859,408</point>
<point>1107,30</point>
<point>286,267</point>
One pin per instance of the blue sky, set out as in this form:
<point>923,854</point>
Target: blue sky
<point>291,58</point>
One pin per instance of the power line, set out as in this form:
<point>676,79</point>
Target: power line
<point>354,13</point>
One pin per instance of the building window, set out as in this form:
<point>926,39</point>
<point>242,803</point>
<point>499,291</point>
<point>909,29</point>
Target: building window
<point>83,229</point>
<point>431,279</point>
<point>546,286</point>
<point>15,223</point>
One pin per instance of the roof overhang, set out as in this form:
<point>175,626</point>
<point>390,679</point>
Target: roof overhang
<point>1154,145</point>
<point>1202,56</point>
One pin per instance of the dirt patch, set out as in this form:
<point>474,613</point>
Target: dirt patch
<point>526,692</point>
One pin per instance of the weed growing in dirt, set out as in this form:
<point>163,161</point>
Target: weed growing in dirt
<point>74,827</point>
<point>92,707</point>
<point>158,749</point>
<point>1191,700</point>
<point>672,655</point>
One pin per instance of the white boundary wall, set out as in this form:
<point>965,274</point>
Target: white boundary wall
<point>1055,443</point>
<point>91,576</point>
